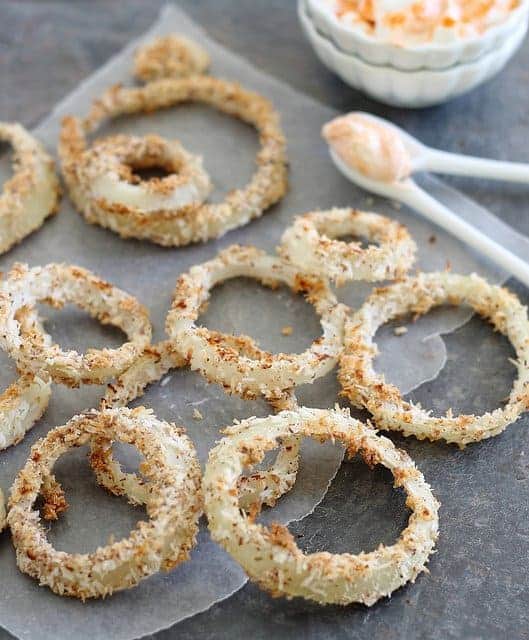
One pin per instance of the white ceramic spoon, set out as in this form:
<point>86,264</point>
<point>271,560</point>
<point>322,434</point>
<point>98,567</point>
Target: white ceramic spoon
<point>409,193</point>
<point>425,158</point>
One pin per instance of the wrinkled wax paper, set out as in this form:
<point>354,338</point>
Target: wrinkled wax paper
<point>149,272</point>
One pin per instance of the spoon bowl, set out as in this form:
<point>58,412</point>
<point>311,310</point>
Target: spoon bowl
<point>415,148</point>
<point>424,158</point>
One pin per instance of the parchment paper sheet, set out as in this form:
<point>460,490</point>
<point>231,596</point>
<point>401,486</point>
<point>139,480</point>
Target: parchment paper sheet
<point>149,272</point>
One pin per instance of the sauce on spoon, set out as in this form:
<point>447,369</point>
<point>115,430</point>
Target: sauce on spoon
<point>371,148</point>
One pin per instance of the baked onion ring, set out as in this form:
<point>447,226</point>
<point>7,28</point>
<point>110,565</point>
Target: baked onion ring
<point>270,374</point>
<point>271,557</point>
<point>58,284</point>
<point>173,505</point>
<point>262,487</point>
<point>107,173</point>
<point>310,244</point>
<point>196,222</point>
<point>365,388</point>
<point>32,194</point>
<point>170,56</point>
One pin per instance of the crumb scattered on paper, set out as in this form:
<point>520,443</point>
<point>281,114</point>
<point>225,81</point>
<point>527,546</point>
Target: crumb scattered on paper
<point>400,331</point>
<point>165,381</point>
<point>287,331</point>
<point>432,239</point>
<point>197,415</point>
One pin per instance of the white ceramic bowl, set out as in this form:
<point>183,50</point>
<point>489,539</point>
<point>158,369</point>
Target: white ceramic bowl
<point>412,89</point>
<point>435,55</point>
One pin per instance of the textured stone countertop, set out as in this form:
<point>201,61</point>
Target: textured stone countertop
<point>479,584</point>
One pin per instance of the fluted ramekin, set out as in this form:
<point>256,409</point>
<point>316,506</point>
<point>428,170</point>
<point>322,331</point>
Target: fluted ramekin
<point>434,55</point>
<point>413,89</point>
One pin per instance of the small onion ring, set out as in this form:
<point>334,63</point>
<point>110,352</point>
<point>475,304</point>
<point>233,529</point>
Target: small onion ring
<point>263,487</point>
<point>271,557</point>
<point>32,194</point>
<point>365,388</point>
<point>170,56</point>
<point>310,244</point>
<point>107,172</point>
<point>174,506</point>
<point>270,374</point>
<point>58,284</point>
<point>196,222</point>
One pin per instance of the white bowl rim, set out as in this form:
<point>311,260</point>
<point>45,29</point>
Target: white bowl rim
<point>423,72</point>
<point>423,48</point>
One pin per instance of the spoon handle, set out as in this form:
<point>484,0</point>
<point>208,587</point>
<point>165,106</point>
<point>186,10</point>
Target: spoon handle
<point>461,165</point>
<point>433,210</point>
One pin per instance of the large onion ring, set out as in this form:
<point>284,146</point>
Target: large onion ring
<point>365,388</point>
<point>173,505</point>
<point>262,487</point>
<point>107,173</point>
<point>196,222</point>
<point>170,56</point>
<point>32,194</point>
<point>58,284</point>
<point>271,557</point>
<point>310,244</point>
<point>270,374</point>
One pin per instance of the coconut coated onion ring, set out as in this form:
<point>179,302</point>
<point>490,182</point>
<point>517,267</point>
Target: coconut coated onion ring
<point>170,56</point>
<point>269,374</point>
<point>195,222</point>
<point>263,487</point>
<point>271,557</point>
<point>310,243</point>
<point>365,388</point>
<point>173,505</point>
<point>108,177</point>
<point>32,194</point>
<point>58,284</point>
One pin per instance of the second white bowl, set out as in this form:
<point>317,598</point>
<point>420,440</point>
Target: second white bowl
<point>412,89</point>
<point>428,55</point>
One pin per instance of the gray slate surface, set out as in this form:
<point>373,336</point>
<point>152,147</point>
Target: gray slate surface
<point>479,585</point>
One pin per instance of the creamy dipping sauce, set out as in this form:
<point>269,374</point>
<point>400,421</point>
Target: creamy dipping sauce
<point>374,150</point>
<point>413,22</point>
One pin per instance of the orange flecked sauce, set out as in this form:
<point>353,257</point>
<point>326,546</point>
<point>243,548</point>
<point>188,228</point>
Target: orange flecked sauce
<point>409,22</point>
<point>373,149</point>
